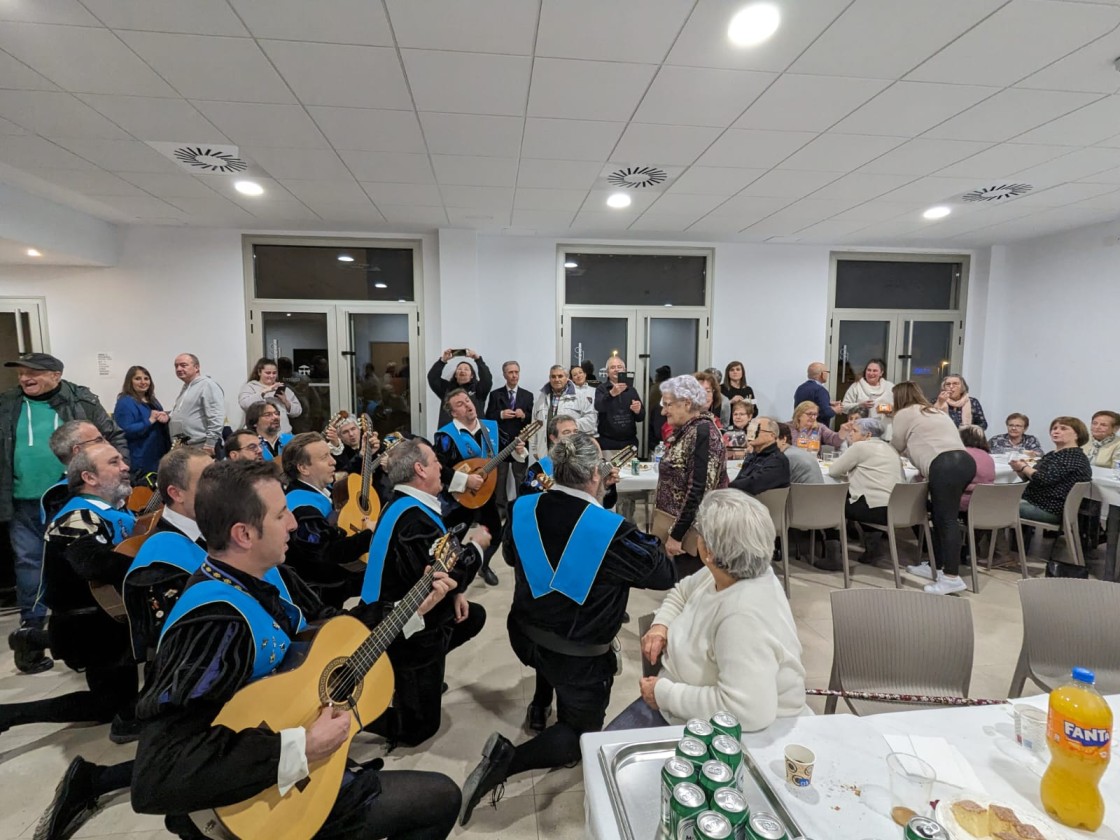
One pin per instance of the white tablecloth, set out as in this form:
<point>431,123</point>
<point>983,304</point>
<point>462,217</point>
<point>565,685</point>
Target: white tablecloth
<point>848,798</point>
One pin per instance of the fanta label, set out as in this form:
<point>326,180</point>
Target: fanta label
<point>1085,740</point>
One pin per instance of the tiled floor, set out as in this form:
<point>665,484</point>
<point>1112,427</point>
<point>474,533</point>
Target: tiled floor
<point>489,690</point>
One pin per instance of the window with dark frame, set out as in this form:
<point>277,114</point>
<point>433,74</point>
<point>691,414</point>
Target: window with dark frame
<point>333,272</point>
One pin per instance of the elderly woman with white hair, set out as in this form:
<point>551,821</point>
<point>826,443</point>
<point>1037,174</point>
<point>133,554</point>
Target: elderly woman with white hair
<point>725,636</point>
<point>873,468</point>
<point>694,463</point>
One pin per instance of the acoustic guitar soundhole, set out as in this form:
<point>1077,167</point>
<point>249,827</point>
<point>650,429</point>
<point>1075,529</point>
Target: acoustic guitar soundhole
<point>339,683</point>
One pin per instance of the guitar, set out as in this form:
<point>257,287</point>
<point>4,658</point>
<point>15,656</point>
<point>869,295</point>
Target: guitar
<point>345,665</point>
<point>362,505</point>
<point>628,453</point>
<point>107,596</point>
<point>480,466</point>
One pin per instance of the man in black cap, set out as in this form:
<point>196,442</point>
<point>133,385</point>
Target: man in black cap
<point>29,414</point>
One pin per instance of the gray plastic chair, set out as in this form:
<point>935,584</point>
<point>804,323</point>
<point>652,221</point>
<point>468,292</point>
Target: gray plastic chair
<point>899,641</point>
<point>777,502</point>
<point>994,507</point>
<point>1077,494</point>
<point>818,506</point>
<point>1068,623</point>
<point>906,509</point>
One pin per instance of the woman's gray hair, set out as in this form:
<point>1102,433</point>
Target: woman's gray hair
<point>738,531</point>
<point>575,459</point>
<point>870,426</point>
<point>686,388</point>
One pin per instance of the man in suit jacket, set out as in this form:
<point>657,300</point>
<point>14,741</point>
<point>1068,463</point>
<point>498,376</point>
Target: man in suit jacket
<point>512,407</point>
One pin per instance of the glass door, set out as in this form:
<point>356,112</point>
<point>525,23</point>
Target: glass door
<point>859,340</point>
<point>927,351</point>
<point>597,337</point>
<point>22,322</point>
<point>303,344</point>
<point>377,367</point>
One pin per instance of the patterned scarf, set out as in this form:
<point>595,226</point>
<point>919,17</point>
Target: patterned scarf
<point>965,405</point>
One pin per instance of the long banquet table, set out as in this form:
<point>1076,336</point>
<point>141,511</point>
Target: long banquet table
<point>849,795</point>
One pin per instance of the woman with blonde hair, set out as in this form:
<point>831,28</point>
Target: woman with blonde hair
<point>810,434</point>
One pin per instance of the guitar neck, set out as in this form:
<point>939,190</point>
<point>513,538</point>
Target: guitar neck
<point>367,474</point>
<point>523,435</point>
<point>153,503</point>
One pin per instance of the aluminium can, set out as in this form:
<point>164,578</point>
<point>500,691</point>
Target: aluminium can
<point>635,467</point>
<point>726,749</point>
<point>712,826</point>
<point>733,805</point>
<point>763,826</point>
<point>923,828</point>
<point>674,771</point>
<point>728,724</point>
<point>692,750</point>
<point>715,775</point>
<point>687,803</point>
<point>701,730</point>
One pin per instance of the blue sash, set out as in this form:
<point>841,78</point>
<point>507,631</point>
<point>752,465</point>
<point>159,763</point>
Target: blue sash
<point>43,499</point>
<point>582,557</point>
<point>281,442</point>
<point>120,521</point>
<point>270,642</point>
<point>546,465</point>
<point>379,544</point>
<point>309,498</point>
<point>170,548</point>
<point>468,446</point>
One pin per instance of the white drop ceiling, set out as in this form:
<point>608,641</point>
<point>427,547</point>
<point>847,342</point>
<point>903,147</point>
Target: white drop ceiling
<point>507,115</point>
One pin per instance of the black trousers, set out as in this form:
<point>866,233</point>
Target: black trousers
<point>949,475</point>
<point>859,511</point>
<point>112,691</point>
<point>518,468</point>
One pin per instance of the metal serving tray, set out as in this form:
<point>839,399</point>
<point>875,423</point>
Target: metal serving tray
<point>633,774</point>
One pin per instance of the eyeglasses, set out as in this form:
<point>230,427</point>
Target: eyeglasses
<point>98,439</point>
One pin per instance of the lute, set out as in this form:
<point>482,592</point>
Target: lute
<point>487,469</point>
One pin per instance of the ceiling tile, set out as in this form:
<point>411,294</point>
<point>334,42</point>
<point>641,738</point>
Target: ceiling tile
<point>156,120</point>
<point>589,222</point>
<point>906,109</point>
<point>214,208</point>
<point>119,155</point>
<point>640,200</point>
<point>9,127</point>
<point>703,42</point>
<point>713,180</point>
<point>1108,176</point>
<point>468,170</point>
<point>570,139</point>
<point>1049,31</point>
<point>467,83</point>
<point>713,225</point>
<point>931,189</point>
<point>542,219</point>
<point>1089,69</point>
<point>468,134</point>
<point>589,90</point>
<point>1094,123</point>
<point>369,129</point>
<point>170,186</point>
<point>489,26</point>
<point>389,167</point>
<point>923,156</point>
<point>830,230</point>
<point>808,103</point>
<point>861,186</point>
<point>681,204</point>
<point>619,30</point>
<point>263,124</point>
<point>141,207</point>
<point>754,149</point>
<point>481,198</point>
<point>557,174</point>
<point>1077,165</point>
<point>31,152</point>
<point>700,95</point>
<point>883,39</point>
<point>667,222</point>
<point>1064,194</point>
<point>204,67</point>
<point>348,212</point>
<point>329,21</point>
<point>878,211</point>
<point>646,144</point>
<point>298,164</point>
<point>1003,160</point>
<point>18,76</point>
<point>478,219</point>
<point>568,201</point>
<point>399,214</point>
<point>49,11</point>
<point>337,74</point>
<point>751,208</point>
<point>785,183</point>
<point>1009,113</point>
<point>55,115</point>
<point>415,195</point>
<point>201,17</point>
<point>326,192</point>
<point>90,182</point>
<point>840,152</point>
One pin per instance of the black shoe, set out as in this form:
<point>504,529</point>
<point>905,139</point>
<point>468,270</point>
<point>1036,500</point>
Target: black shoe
<point>831,562</point>
<point>625,617</point>
<point>26,644</point>
<point>537,717</point>
<point>74,802</point>
<point>488,576</point>
<point>497,756</point>
<point>123,731</point>
<point>443,688</point>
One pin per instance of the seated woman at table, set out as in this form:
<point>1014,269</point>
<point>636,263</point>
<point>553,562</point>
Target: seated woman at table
<point>808,433</point>
<point>1055,473</point>
<point>1103,446</point>
<point>871,392</point>
<point>872,469</point>
<point>976,445</point>
<point>962,409</point>
<point>1016,438</point>
<point>735,436</point>
<point>725,636</point>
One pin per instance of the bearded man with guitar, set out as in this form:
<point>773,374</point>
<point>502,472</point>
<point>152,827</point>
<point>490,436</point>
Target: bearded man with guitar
<point>466,436</point>
<point>211,649</point>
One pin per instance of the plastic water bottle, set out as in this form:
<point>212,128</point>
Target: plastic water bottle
<point>659,453</point>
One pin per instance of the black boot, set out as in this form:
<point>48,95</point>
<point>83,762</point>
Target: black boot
<point>537,717</point>
<point>873,540</point>
<point>28,643</point>
<point>74,802</point>
<point>492,771</point>
<point>832,560</point>
<point>487,574</point>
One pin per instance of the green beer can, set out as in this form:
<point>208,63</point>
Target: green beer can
<point>715,775</point>
<point>687,803</point>
<point>762,826</point>
<point>727,749</point>
<point>923,828</point>
<point>712,826</point>
<point>733,805</point>
<point>674,771</point>
<point>728,724</point>
<point>701,730</point>
<point>692,750</point>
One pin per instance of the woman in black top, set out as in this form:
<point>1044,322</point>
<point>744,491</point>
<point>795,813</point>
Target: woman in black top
<point>735,383</point>
<point>1056,472</point>
<point>464,376</point>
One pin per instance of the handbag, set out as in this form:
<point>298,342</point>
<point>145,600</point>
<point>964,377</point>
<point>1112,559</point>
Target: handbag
<point>663,523</point>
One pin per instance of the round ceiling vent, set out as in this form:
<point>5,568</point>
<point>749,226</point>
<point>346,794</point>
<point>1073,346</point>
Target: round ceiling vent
<point>209,159</point>
<point>637,177</point>
<point>998,192</point>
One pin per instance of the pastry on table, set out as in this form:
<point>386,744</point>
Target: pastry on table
<point>1002,819</point>
<point>972,817</point>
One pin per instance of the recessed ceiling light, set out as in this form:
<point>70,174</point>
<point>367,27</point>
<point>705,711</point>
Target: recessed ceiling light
<point>381,285</point>
<point>618,200</point>
<point>248,188</point>
<point>31,252</point>
<point>754,24</point>
<point>345,258</point>
<point>570,264</point>
<point>937,212</point>
<point>287,314</point>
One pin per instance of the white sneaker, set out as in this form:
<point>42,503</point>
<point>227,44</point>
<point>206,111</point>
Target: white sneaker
<point>945,586</point>
<point>922,571</point>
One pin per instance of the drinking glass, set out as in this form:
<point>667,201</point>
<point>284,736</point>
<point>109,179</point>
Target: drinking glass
<point>911,783</point>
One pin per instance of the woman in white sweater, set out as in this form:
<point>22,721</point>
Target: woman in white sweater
<point>871,393</point>
<point>725,636</point>
<point>872,468</point>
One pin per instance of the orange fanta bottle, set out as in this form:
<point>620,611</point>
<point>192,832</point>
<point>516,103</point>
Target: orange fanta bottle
<point>1079,731</point>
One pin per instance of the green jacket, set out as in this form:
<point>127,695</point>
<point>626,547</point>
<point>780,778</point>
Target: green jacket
<point>72,402</point>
